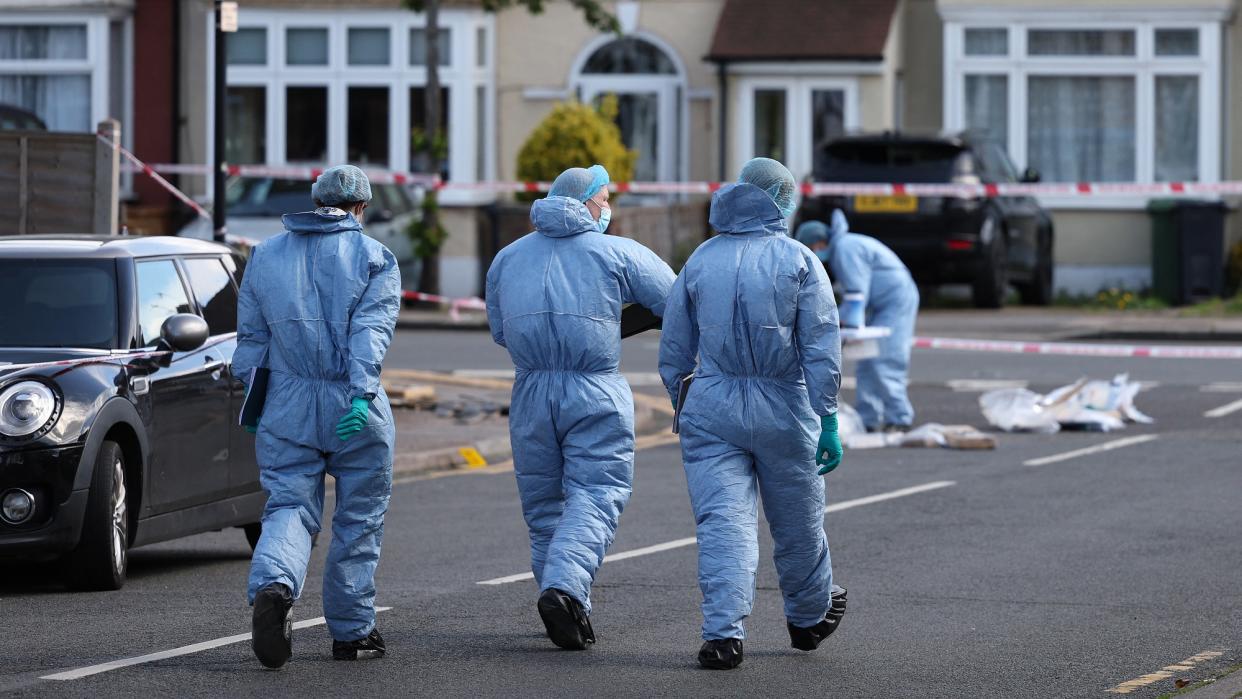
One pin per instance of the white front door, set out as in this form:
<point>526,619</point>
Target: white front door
<point>789,119</point>
<point>648,117</point>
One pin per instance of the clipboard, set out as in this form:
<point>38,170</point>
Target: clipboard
<point>256,396</point>
<point>636,319</point>
<point>682,391</point>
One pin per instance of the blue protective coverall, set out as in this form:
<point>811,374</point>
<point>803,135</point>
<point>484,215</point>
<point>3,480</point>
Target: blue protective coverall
<point>863,264</point>
<point>318,307</point>
<point>554,301</point>
<point>756,309</point>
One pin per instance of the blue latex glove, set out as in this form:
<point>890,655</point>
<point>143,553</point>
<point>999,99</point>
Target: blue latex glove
<point>354,420</point>
<point>828,453</point>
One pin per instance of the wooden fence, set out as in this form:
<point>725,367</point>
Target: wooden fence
<point>59,182</point>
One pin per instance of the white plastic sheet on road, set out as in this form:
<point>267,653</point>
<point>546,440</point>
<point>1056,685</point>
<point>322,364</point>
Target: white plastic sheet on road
<point>1098,406</point>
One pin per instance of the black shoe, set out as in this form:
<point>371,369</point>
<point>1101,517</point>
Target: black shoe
<point>810,638</point>
<point>568,625</point>
<point>721,654</point>
<point>348,650</point>
<point>271,628</point>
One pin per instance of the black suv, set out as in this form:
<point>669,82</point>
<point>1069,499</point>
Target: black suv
<point>987,242</point>
<point>118,413</point>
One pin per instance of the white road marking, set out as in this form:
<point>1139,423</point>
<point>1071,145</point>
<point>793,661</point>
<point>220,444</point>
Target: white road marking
<point>981,385</point>
<point>690,540</point>
<point>173,653</point>
<point>1106,446</point>
<point>1227,409</point>
<point>1222,387</point>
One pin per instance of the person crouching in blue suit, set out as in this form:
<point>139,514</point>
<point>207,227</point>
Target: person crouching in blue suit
<point>317,308</point>
<point>554,300</point>
<point>864,265</point>
<point>755,310</point>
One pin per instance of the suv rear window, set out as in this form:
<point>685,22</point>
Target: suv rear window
<point>851,161</point>
<point>58,303</point>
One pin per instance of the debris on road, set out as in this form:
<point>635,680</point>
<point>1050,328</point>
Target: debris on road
<point>855,436</point>
<point>1093,406</point>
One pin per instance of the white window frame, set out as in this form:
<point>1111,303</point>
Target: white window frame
<point>1144,66</point>
<point>96,64</point>
<point>798,127</point>
<point>462,78</point>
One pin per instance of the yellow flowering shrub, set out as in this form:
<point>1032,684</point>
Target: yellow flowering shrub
<point>576,135</point>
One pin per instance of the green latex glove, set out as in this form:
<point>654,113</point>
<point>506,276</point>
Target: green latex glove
<point>251,430</point>
<point>828,453</point>
<point>354,420</point>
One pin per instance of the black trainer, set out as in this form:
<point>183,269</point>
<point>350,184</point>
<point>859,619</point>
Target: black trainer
<point>372,645</point>
<point>271,628</point>
<point>568,625</point>
<point>810,638</point>
<point>721,654</point>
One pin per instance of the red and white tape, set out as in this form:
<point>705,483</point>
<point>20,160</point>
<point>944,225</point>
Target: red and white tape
<point>455,306</point>
<point>1073,349</point>
<point>961,191</point>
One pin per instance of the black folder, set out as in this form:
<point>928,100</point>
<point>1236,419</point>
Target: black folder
<point>256,395</point>
<point>636,319</point>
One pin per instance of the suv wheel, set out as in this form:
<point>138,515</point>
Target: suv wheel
<point>992,284</point>
<point>102,556</point>
<point>1039,291</point>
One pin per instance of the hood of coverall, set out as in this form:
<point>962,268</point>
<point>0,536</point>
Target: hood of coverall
<point>321,221</point>
<point>562,217</point>
<point>839,226</point>
<point>744,209</point>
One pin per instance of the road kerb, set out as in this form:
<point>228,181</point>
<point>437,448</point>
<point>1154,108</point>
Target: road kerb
<point>494,455</point>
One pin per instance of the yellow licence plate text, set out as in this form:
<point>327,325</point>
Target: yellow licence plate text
<point>874,203</point>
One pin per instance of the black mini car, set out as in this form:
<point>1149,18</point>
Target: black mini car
<point>118,412</point>
<point>985,242</point>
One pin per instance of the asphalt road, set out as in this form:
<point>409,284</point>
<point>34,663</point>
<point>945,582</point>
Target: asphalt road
<point>996,578</point>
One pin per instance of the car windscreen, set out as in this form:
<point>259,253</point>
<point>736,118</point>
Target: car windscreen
<point>264,197</point>
<point>887,162</point>
<point>58,303</point>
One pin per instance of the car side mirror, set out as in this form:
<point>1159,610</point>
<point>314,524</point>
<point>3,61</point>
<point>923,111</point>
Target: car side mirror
<point>380,216</point>
<point>1030,175</point>
<point>183,332</point>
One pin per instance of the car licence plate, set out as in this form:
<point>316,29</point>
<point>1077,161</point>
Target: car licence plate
<point>888,204</point>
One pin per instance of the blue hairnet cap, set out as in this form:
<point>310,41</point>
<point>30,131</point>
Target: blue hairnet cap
<point>343,184</point>
<point>580,183</point>
<point>812,232</point>
<point>773,178</point>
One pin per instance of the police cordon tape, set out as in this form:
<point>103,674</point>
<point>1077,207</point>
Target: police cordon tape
<point>1077,349</point>
<point>960,191</point>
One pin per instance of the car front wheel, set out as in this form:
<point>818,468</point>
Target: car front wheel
<point>992,284</point>
<point>102,556</point>
<point>1039,291</point>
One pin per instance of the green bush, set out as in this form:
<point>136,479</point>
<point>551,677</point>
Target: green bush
<point>576,135</point>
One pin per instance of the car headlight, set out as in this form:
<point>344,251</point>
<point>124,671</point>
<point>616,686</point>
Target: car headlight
<point>26,407</point>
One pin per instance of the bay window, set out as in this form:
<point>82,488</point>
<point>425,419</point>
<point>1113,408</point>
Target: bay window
<point>1082,99</point>
<point>320,87</point>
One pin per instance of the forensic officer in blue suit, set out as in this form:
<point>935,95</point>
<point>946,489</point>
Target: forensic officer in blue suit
<point>318,306</point>
<point>752,316</point>
<point>554,300</point>
<point>861,264</point>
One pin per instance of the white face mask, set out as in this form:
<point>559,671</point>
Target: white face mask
<point>605,215</point>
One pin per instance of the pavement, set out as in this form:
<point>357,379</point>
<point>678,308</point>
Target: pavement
<point>1109,570</point>
<point>1014,323</point>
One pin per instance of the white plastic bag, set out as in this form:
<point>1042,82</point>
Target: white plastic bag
<point>1017,410</point>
